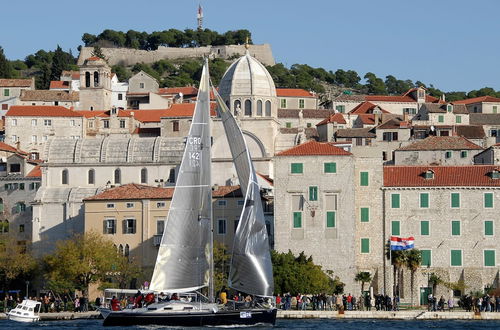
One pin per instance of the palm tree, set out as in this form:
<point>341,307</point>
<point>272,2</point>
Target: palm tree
<point>413,261</point>
<point>435,280</point>
<point>363,277</point>
<point>399,261</point>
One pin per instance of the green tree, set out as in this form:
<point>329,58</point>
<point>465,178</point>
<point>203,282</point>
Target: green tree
<point>97,51</point>
<point>399,258</point>
<point>123,273</point>
<point>121,72</point>
<point>60,61</point>
<point>363,277</point>
<point>6,70</point>
<point>17,261</point>
<point>222,261</point>
<point>81,260</point>
<point>435,280</point>
<point>375,85</point>
<point>396,86</point>
<point>89,39</point>
<point>413,261</point>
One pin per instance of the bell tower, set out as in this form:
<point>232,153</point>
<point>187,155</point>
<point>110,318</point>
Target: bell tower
<point>95,84</point>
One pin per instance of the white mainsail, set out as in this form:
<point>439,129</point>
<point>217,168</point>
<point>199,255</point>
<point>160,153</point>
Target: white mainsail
<point>185,252</point>
<point>251,268</point>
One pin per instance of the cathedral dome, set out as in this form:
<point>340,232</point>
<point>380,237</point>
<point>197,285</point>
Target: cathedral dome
<point>247,77</point>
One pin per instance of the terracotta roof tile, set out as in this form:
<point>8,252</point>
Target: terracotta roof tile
<point>471,131</point>
<point>293,92</point>
<point>16,82</point>
<point>442,143</point>
<point>41,111</point>
<point>313,148</point>
<point>355,133</point>
<point>306,113</point>
<point>333,118</point>
<point>444,176</point>
<point>442,108</point>
<point>36,172</point>
<point>56,84</point>
<point>366,107</point>
<point>478,100</point>
<point>176,90</point>
<point>390,98</point>
<point>49,95</point>
<point>7,147</point>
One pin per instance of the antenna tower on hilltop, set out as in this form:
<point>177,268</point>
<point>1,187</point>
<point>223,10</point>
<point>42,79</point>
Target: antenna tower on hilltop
<point>200,17</point>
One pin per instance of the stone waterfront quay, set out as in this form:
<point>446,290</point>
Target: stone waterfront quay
<point>63,316</point>
<point>399,315</point>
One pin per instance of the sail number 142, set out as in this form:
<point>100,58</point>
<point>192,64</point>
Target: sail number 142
<point>194,150</point>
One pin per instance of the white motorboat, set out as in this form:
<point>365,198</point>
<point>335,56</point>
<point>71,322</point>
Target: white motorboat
<point>27,311</point>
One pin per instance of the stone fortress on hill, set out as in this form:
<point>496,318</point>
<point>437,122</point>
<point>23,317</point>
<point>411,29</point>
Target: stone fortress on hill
<point>129,56</point>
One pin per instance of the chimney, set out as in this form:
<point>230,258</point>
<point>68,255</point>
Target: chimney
<point>377,119</point>
<point>443,98</point>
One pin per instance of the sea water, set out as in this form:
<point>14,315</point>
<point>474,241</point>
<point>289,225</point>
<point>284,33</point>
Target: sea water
<point>280,324</point>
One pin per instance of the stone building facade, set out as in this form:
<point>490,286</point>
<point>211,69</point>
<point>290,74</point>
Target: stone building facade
<point>95,84</point>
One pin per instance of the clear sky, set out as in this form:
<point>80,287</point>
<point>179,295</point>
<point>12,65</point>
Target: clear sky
<point>452,44</point>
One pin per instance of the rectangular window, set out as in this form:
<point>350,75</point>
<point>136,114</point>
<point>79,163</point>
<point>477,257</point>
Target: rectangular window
<point>363,178</point>
<point>33,139</point>
<point>458,119</point>
<point>21,228</point>
<point>297,219</point>
<point>441,119</point>
<point>296,168</point>
<point>13,122</point>
<point>330,219</point>
<point>120,96</point>
<point>365,245</point>
<point>160,226</point>
<point>395,228</point>
<point>424,200</point>
<point>455,228</point>
<point>160,205</point>
<point>426,258</point>
<point>456,257</point>
<point>365,214</point>
<point>488,228</point>
<point>47,122</point>
<point>313,193</point>
<point>105,123</point>
<point>175,126</point>
<point>130,205</point>
<point>301,104</point>
<point>395,201</point>
<point>424,228</point>
<point>110,226</point>
<point>21,186</point>
<point>72,122</point>
<point>129,226</point>
<point>283,104</point>
<point>241,202</point>
<point>222,203</point>
<point>489,258</point>
<point>122,123</point>
<point>221,226</point>
<point>6,92</point>
<point>488,200</point>
<point>141,85</point>
<point>448,154</point>
<point>463,154</point>
<point>288,125</point>
<point>110,206</point>
<point>340,108</point>
<point>33,122</point>
<point>455,200</point>
<point>495,109</point>
<point>330,167</point>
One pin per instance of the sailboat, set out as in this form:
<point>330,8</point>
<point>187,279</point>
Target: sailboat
<point>184,263</point>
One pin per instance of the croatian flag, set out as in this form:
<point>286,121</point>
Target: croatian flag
<point>402,243</point>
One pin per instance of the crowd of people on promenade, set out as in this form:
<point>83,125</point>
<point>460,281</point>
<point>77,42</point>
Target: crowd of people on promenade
<point>52,303</point>
<point>485,303</point>
<point>336,302</point>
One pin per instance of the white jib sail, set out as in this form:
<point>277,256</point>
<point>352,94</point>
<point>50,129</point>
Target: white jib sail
<point>184,253</point>
<point>251,268</point>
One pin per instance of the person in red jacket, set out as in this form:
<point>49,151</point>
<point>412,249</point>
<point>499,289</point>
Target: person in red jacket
<point>115,304</point>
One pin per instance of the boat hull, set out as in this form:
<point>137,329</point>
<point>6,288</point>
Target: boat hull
<point>194,319</point>
<point>26,319</point>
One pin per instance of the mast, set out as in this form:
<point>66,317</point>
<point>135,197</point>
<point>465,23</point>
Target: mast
<point>211,284</point>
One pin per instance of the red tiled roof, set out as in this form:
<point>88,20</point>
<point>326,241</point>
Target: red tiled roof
<point>36,172</point>
<point>49,95</point>
<point>93,58</point>
<point>93,113</point>
<point>313,148</point>
<point>367,119</point>
<point>15,82</point>
<point>138,191</point>
<point>7,147</point>
<point>56,84</point>
<point>366,107</point>
<point>442,143</point>
<point>334,118</point>
<point>478,100</point>
<point>41,111</point>
<point>444,176</point>
<point>176,90</point>
<point>389,98</point>
<point>293,92</point>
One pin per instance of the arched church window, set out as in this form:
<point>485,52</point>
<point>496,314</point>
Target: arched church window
<point>127,250</point>
<point>118,176</point>
<point>248,108</point>
<point>237,107</point>
<point>64,177</point>
<point>144,175</point>
<point>96,79</point>
<point>87,79</point>
<point>259,108</point>
<point>120,250</point>
<point>268,108</point>
<point>91,176</point>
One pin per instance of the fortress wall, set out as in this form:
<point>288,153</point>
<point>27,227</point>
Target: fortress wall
<point>128,56</point>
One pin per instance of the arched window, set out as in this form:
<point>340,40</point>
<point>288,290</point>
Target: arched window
<point>64,177</point>
<point>259,108</point>
<point>96,79</point>
<point>268,108</point>
<point>118,176</point>
<point>91,176</point>
<point>248,108</point>
<point>87,79</point>
<point>120,250</point>
<point>127,250</point>
<point>144,175</point>
<point>237,107</point>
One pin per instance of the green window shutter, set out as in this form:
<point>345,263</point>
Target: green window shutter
<point>455,228</point>
<point>1,206</point>
<point>6,92</point>
<point>489,258</point>
<point>313,193</point>
<point>424,200</point>
<point>288,125</point>
<point>395,228</point>
<point>488,228</point>
<point>365,214</point>
<point>301,103</point>
<point>426,258</point>
<point>456,257</point>
<point>463,154</point>
<point>488,200</point>
<point>424,228</point>
<point>458,119</point>
<point>330,219</point>
<point>441,118</point>
<point>297,168</point>
<point>455,200</point>
<point>297,219</point>
<point>365,245</point>
<point>395,202</point>
<point>363,178</point>
<point>330,167</point>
